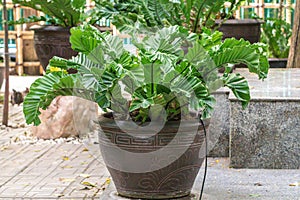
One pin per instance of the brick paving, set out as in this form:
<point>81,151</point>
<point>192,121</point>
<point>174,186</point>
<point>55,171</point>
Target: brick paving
<point>76,171</point>
<point>48,171</point>
<point>71,171</point>
<point>45,170</point>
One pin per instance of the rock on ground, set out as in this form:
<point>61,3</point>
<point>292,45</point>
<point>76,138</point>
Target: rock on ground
<point>66,116</point>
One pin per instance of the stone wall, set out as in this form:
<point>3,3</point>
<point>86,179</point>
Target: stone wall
<point>218,132</point>
<point>266,134</point>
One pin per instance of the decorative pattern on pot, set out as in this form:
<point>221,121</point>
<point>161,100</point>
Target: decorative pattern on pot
<point>52,41</point>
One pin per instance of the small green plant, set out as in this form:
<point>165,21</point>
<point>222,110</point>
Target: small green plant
<point>276,34</point>
<point>174,72</point>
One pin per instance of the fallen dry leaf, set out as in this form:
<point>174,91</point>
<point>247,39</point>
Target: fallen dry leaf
<point>67,167</point>
<point>85,175</point>
<point>65,158</point>
<point>66,180</point>
<point>85,149</point>
<point>58,195</point>
<point>295,184</point>
<point>4,148</point>
<point>107,181</point>
<point>86,183</point>
<point>86,188</point>
<point>254,195</point>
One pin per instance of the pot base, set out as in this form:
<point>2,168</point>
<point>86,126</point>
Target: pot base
<point>173,195</point>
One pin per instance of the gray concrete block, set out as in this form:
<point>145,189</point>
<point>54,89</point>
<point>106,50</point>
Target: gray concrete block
<point>218,132</point>
<point>266,134</point>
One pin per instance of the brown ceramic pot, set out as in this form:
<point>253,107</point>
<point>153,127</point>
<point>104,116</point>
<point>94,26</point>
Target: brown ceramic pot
<point>52,41</point>
<point>173,164</point>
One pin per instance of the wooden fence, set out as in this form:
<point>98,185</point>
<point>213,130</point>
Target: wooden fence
<point>268,8</point>
<point>22,38</point>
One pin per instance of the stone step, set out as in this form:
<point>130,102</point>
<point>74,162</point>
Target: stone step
<point>267,133</point>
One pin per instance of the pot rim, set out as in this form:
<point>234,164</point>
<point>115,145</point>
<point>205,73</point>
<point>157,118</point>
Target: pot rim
<point>49,28</point>
<point>240,21</point>
<point>106,121</point>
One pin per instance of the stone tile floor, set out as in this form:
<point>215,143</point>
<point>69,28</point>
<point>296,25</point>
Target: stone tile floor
<point>280,84</point>
<point>72,170</point>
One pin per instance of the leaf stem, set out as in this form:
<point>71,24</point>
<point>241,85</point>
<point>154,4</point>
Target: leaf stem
<point>198,17</point>
<point>181,72</point>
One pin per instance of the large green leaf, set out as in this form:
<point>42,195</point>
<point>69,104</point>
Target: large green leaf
<point>239,86</point>
<point>198,56</point>
<point>39,89</point>
<point>236,55</point>
<point>44,90</point>
<point>64,12</point>
<point>153,76</point>
<point>85,39</point>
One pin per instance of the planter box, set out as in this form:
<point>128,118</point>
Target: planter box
<point>278,62</point>
<point>249,29</point>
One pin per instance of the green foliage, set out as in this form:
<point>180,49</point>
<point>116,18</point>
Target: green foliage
<point>66,13</point>
<point>131,15</point>
<point>161,78</point>
<point>276,34</point>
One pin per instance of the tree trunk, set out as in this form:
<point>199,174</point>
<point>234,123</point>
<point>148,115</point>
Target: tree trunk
<point>6,63</point>
<point>294,55</point>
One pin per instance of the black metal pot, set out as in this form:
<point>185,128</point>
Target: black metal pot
<point>169,174</point>
<point>52,41</point>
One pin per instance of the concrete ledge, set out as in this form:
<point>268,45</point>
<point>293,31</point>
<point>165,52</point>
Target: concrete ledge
<point>265,135</point>
<point>218,132</point>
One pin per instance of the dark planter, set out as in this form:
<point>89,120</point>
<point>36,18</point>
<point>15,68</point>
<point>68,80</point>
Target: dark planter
<point>249,29</point>
<point>173,162</point>
<point>278,62</point>
<point>52,41</point>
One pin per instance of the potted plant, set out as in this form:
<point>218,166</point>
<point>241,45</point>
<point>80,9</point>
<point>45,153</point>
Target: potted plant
<point>150,136</point>
<point>130,15</point>
<point>249,29</point>
<point>52,39</point>
<point>276,34</point>
<point>192,14</point>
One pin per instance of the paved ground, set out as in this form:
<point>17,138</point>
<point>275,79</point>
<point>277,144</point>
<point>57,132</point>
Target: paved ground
<point>70,169</point>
